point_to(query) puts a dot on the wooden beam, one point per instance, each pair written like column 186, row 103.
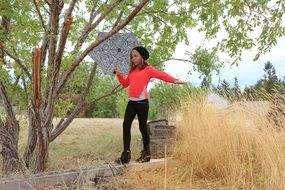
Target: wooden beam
column 70, row 176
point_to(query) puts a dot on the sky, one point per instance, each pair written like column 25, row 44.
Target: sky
column 247, row 71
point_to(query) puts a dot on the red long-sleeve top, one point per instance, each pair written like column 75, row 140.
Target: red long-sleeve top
column 137, row 80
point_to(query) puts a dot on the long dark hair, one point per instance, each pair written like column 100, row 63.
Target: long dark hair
column 141, row 66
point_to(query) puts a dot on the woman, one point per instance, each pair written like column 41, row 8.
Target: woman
column 137, row 80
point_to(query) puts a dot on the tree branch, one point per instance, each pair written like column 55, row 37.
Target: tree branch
column 55, row 8
column 114, row 91
column 160, row 19
column 59, row 123
column 62, row 42
column 25, row 88
column 64, row 124
column 2, row 55
column 1, row 123
column 66, row 74
column 5, row 138
column 7, row 104
column 93, row 12
column 13, row 125
column 178, row 59
column 44, row 48
column 5, row 26
column 6, row 21
column 91, row 27
column 40, row 15
column 48, row 2
column 19, row 62
column 118, row 19
column 64, row 32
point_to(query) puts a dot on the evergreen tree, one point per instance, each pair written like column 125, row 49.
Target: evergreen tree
column 205, row 83
column 270, row 82
column 236, row 90
column 224, row 89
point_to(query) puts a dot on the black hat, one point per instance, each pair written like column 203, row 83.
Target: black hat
column 143, row 52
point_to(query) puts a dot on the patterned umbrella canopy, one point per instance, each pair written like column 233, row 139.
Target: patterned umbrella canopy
column 114, row 51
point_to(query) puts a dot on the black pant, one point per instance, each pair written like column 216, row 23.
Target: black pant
column 139, row 108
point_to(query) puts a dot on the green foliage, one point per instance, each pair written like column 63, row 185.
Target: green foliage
column 164, row 98
column 205, row 62
column 105, row 107
column 23, row 35
column 245, row 24
column 63, row 107
column 121, row 103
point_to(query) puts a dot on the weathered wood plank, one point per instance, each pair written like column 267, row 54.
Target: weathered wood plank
column 66, row 177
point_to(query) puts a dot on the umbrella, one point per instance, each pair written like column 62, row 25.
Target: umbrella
column 114, row 51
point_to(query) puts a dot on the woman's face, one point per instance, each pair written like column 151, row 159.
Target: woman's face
column 136, row 57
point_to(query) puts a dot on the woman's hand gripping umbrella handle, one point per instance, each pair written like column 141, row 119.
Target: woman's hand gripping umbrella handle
column 115, row 69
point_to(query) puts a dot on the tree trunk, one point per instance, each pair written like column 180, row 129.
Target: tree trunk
column 9, row 136
column 36, row 152
column 41, row 152
column 31, row 143
column 11, row 163
column 9, row 152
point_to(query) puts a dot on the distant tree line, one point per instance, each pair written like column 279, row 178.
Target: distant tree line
column 264, row 89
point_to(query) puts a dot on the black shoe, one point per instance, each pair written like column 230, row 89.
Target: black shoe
column 145, row 156
column 125, row 157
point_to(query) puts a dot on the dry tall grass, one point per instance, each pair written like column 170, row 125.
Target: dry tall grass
column 219, row 149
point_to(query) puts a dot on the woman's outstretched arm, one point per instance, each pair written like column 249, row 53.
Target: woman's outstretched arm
column 155, row 73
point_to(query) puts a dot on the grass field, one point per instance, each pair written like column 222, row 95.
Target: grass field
column 87, row 143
